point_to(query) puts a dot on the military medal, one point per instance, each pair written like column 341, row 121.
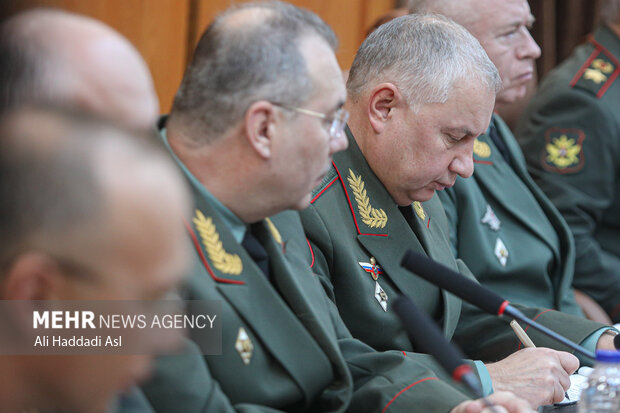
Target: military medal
column 491, row 219
column 244, row 346
column 374, row 270
column 501, row 252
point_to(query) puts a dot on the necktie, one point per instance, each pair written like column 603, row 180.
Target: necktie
column 407, row 212
column 255, row 249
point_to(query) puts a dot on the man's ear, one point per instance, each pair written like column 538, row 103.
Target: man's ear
column 384, row 98
column 260, row 121
column 30, row 277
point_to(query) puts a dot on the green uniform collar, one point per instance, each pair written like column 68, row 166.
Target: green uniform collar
column 232, row 221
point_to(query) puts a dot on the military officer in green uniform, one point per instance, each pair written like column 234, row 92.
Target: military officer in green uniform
column 570, row 134
column 253, row 127
column 501, row 224
column 421, row 89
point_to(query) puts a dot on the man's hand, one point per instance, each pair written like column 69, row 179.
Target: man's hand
column 504, row 402
column 538, row 375
column 606, row 341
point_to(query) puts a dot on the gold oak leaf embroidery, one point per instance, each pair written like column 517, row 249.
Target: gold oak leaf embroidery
column 223, row 261
column 374, row 218
column 594, row 75
column 563, row 152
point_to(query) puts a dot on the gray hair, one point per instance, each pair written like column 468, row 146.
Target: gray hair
column 610, row 12
column 424, row 56
column 235, row 65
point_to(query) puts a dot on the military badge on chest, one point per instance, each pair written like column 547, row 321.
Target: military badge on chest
column 501, row 252
column 489, row 218
column 375, row 270
column 244, row 346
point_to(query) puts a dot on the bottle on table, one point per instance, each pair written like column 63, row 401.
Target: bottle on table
column 601, row 394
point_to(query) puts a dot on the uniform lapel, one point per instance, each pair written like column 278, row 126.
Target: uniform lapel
column 493, row 173
column 382, row 228
column 275, row 323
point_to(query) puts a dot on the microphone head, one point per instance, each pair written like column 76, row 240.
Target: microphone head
column 449, row 280
column 617, row 341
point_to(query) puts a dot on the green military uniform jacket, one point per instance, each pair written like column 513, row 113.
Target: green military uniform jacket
column 508, row 232
column 570, row 134
column 284, row 346
column 352, row 221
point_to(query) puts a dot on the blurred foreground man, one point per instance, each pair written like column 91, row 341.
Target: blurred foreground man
column 88, row 212
column 60, row 58
column 421, row 90
column 570, row 134
column 254, row 126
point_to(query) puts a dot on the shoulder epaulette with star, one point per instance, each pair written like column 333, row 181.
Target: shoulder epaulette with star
column 598, row 72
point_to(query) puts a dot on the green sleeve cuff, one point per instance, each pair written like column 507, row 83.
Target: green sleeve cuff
column 485, row 377
column 589, row 343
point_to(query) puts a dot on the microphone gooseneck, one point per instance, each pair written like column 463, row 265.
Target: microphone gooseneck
column 476, row 294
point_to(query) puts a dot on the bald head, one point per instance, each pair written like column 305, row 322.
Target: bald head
column 63, row 176
column 249, row 53
column 51, row 56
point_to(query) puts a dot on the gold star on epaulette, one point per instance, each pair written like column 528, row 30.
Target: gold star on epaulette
column 603, row 66
column 594, row 75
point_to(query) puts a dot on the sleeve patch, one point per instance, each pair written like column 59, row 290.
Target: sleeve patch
column 563, row 151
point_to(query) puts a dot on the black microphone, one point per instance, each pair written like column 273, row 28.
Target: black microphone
column 617, row 341
column 476, row 294
column 426, row 336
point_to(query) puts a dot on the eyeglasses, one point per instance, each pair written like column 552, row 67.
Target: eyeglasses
column 338, row 120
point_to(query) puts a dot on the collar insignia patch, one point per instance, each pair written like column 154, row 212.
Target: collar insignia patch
column 501, row 252
column 419, row 211
column 481, row 149
column 491, row 219
column 373, row 217
column 224, row 262
column 274, row 231
column 244, row 346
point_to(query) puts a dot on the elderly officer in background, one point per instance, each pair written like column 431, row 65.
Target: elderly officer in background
column 421, row 90
column 88, row 212
column 55, row 57
column 502, row 225
column 254, row 126
column 570, row 134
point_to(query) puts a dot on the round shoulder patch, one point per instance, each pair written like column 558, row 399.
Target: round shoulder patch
column 563, row 152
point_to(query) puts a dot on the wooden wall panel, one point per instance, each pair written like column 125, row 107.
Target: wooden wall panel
column 348, row 18
column 158, row 29
column 166, row 31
